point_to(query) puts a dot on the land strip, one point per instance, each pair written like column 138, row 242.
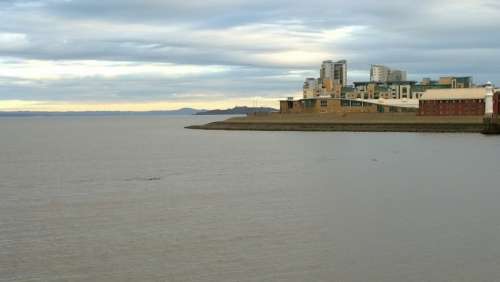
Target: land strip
column 354, row 122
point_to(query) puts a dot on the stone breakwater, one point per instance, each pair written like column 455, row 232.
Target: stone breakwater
column 353, row 127
column 357, row 123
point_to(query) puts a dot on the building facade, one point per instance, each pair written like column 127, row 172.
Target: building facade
column 383, row 74
column 455, row 102
column 496, row 103
column 340, row 73
column 379, row 73
column 456, row 82
column 379, row 90
column 385, row 84
column 339, row 106
column 397, row 76
column 336, row 72
column 311, row 88
column 327, row 70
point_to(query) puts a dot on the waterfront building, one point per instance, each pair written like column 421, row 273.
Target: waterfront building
column 383, row 74
column 347, row 92
column 327, row 70
column 379, row 73
column 388, row 90
column 402, row 89
column 443, row 83
column 334, row 71
column 337, row 91
column 426, row 81
column 458, row 102
column 311, row 88
column 456, row 82
column 366, row 90
column 340, row 73
column 496, row 103
column 333, row 76
column 328, row 85
column 397, row 76
column 323, row 105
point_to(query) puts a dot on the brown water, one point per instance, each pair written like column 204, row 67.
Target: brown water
column 142, row 199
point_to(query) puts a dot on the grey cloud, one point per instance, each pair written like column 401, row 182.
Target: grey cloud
column 425, row 37
column 240, row 82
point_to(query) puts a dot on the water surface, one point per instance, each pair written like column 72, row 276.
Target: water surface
column 139, row 198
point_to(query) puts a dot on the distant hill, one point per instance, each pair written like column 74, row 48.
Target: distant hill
column 183, row 111
column 238, row 111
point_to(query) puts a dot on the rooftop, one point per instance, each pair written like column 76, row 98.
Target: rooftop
column 454, row 94
column 384, row 83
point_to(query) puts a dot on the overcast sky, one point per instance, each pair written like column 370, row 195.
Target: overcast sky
column 163, row 54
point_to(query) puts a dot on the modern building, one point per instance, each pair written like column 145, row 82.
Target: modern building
column 443, row 83
column 336, row 72
column 323, row 105
column 397, row 76
column 379, row 90
column 326, row 71
column 426, row 81
column 456, row 82
column 328, row 85
column 386, row 87
column 383, row 74
column 311, row 88
column 340, row 73
column 333, row 77
column 379, row 73
column 457, row 102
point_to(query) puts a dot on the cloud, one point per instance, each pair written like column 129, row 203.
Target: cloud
column 57, row 70
column 13, row 41
column 119, row 51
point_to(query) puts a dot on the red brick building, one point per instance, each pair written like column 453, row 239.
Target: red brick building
column 455, row 102
column 496, row 103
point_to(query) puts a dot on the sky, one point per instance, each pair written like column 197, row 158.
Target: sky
column 75, row 55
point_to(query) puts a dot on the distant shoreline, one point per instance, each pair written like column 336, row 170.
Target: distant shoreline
column 184, row 111
column 238, row 111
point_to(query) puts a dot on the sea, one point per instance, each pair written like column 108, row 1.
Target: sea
column 140, row 198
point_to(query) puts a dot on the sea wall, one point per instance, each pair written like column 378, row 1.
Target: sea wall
column 491, row 125
column 358, row 123
column 352, row 127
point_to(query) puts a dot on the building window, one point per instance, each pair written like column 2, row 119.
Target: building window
column 309, row 103
column 324, row 103
column 356, row 104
